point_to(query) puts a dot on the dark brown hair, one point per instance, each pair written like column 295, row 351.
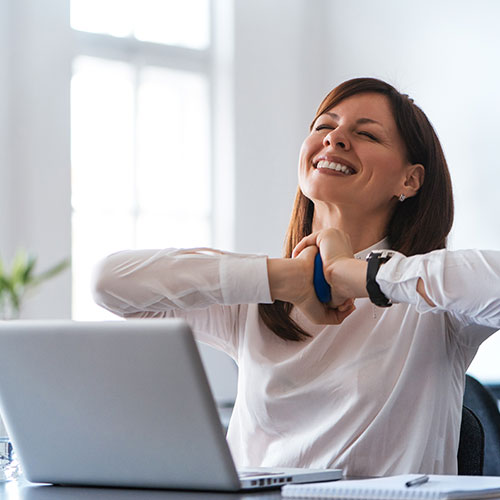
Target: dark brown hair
column 419, row 225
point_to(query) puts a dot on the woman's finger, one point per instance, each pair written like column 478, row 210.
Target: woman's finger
column 305, row 242
column 335, row 316
column 342, row 315
column 346, row 305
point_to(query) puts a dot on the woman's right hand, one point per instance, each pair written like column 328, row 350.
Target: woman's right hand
column 291, row 280
column 345, row 274
column 307, row 301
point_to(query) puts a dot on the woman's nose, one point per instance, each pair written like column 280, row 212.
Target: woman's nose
column 336, row 138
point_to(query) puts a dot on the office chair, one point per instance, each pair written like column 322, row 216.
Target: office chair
column 485, row 407
column 470, row 454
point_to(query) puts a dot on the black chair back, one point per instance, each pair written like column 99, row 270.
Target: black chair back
column 485, row 407
column 471, row 445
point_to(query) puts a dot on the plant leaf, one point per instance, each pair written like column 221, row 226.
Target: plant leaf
column 27, row 276
column 18, row 267
column 51, row 272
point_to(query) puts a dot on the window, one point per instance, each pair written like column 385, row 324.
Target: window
column 140, row 131
column 173, row 22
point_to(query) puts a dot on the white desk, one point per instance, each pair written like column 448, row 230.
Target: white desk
column 23, row 490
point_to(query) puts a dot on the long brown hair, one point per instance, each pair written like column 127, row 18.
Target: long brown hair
column 419, row 225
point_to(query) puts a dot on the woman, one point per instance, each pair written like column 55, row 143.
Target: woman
column 374, row 390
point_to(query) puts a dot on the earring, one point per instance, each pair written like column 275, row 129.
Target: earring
column 402, row 198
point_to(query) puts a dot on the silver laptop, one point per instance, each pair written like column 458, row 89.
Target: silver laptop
column 119, row 403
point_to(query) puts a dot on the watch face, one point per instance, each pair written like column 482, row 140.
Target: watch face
column 383, row 255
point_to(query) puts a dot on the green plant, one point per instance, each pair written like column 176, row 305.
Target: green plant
column 21, row 279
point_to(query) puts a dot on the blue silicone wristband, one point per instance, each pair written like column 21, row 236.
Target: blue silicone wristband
column 321, row 286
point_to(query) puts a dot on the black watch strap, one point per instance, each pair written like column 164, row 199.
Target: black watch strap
column 375, row 260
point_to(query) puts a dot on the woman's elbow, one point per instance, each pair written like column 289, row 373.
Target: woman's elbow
column 105, row 286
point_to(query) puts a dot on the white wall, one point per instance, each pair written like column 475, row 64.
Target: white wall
column 35, row 143
column 446, row 55
column 5, row 177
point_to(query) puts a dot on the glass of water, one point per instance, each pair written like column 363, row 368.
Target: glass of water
column 9, row 466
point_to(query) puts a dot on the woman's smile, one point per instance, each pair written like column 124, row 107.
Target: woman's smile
column 334, row 167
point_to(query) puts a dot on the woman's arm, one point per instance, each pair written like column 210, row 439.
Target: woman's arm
column 349, row 275
column 202, row 286
column 345, row 274
column 464, row 283
column 138, row 281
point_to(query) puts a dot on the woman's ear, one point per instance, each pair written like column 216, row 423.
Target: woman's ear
column 414, row 179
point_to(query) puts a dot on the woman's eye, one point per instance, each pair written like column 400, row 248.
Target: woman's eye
column 367, row 134
column 323, row 127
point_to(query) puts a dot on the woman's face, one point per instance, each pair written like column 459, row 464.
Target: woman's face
column 355, row 157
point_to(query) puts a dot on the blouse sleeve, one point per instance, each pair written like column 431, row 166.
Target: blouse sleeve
column 465, row 284
column 206, row 287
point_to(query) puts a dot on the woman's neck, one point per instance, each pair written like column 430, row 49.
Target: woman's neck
column 364, row 229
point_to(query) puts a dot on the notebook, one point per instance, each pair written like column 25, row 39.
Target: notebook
column 394, row 487
column 119, row 403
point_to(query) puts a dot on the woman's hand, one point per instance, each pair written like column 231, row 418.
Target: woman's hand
column 308, row 302
column 345, row 275
column 291, row 280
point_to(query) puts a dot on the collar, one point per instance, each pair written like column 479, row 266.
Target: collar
column 383, row 244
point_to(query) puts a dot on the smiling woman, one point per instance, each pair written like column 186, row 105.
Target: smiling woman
column 381, row 136
column 391, row 129
column 381, row 366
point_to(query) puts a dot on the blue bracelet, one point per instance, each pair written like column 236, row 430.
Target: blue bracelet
column 321, row 286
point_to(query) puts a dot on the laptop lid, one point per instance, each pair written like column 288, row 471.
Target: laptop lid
column 118, row 403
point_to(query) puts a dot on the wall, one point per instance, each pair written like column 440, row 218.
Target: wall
column 5, row 182
column 446, row 55
column 36, row 142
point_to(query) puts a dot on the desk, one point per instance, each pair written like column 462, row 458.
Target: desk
column 23, row 490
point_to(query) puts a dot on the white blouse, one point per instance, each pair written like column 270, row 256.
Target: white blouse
column 379, row 394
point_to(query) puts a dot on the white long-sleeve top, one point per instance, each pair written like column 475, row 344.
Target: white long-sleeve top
column 379, row 394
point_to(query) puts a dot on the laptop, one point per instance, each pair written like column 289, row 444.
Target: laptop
column 119, row 403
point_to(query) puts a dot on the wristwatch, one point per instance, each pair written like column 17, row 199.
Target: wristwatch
column 375, row 259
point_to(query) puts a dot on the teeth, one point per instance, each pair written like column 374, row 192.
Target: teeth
column 335, row 166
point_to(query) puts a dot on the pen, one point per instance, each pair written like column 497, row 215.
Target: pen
column 417, row 481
